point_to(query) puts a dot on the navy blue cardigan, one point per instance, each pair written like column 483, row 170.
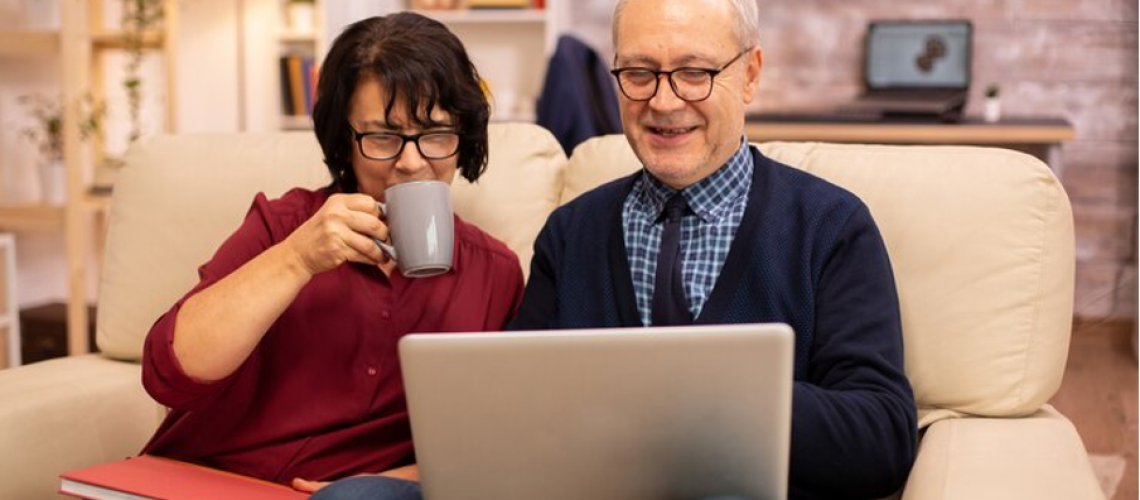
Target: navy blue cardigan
column 808, row 254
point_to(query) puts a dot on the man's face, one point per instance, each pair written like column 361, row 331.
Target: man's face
column 683, row 142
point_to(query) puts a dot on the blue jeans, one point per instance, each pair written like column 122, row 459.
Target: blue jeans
column 386, row 488
column 369, row 488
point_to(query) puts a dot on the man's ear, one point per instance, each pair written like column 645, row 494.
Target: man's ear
column 754, row 61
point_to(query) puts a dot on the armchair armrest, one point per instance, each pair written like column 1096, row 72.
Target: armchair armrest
column 1039, row 456
column 68, row 413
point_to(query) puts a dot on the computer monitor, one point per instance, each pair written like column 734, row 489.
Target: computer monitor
column 918, row 55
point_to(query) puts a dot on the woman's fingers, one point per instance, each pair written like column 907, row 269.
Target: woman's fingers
column 306, row 486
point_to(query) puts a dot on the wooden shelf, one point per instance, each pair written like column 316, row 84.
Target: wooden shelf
column 31, row 217
column 297, row 37
column 292, row 122
column 525, row 118
column 97, row 202
column 115, row 40
column 968, row 131
column 28, row 43
column 487, row 16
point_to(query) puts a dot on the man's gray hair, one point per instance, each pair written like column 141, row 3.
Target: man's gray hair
column 746, row 26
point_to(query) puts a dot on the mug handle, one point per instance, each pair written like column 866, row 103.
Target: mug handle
column 387, row 248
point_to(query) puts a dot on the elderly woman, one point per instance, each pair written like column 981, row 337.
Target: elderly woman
column 281, row 363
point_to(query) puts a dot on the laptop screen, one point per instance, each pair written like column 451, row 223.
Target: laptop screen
column 918, row 54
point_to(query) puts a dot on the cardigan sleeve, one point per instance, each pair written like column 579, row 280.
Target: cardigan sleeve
column 539, row 309
column 853, row 416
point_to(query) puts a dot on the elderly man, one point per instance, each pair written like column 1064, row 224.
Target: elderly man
column 712, row 231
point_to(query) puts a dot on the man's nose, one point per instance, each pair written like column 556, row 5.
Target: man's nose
column 666, row 98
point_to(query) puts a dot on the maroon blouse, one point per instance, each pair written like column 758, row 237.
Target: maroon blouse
column 321, row 397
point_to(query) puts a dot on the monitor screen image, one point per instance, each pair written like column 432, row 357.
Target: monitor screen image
column 918, row 55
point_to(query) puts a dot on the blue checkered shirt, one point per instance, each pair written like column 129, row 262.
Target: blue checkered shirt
column 717, row 203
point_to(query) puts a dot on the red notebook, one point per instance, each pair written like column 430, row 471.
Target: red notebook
column 154, row 478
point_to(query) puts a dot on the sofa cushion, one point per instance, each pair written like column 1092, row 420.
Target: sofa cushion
column 595, row 162
column 519, row 189
column 179, row 197
column 1039, row 456
column 65, row 414
column 981, row 241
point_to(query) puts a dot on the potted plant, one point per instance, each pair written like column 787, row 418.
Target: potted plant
column 992, row 111
column 139, row 18
column 47, row 135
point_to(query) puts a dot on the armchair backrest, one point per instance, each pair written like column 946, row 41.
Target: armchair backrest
column 180, row 196
column 981, row 242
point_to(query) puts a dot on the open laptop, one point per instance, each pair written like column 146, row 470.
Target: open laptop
column 915, row 69
column 606, row 414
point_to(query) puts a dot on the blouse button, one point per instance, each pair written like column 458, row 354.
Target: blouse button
column 385, row 314
column 371, row 371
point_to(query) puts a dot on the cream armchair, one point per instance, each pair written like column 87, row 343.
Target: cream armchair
column 981, row 241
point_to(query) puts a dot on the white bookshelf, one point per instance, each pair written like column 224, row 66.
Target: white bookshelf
column 292, row 37
column 79, row 43
column 9, row 305
column 510, row 47
column 490, row 16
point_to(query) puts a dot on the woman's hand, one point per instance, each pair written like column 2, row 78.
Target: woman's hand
column 407, row 473
column 342, row 230
column 306, row 486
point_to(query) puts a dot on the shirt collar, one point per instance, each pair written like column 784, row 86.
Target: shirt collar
column 710, row 198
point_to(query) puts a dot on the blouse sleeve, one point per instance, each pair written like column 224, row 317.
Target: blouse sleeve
column 163, row 376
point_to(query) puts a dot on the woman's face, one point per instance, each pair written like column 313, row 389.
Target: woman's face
column 366, row 114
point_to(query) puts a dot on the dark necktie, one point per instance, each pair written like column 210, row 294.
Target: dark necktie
column 670, row 307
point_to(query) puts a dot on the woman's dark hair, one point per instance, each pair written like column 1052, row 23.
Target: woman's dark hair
column 413, row 58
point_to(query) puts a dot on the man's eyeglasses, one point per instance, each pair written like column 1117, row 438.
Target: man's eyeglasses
column 385, row 145
column 689, row 84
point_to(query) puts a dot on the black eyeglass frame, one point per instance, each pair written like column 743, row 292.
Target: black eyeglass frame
column 712, row 72
column 404, row 139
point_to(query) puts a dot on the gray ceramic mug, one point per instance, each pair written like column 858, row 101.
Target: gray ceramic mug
column 420, row 227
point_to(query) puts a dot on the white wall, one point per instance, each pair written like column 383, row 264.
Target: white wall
column 207, row 67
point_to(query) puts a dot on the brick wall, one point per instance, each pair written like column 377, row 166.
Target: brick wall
column 1070, row 58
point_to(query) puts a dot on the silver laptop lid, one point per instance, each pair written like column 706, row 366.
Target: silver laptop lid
column 918, row 55
column 609, row 414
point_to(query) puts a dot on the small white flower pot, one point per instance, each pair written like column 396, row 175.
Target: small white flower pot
column 53, row 182
column 992, row 111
